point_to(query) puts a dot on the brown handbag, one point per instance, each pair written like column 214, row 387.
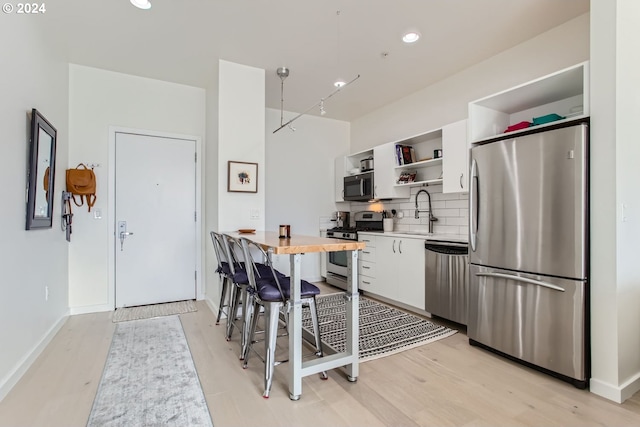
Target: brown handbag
column 81, row 181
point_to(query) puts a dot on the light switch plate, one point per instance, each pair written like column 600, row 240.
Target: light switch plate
column 255, row 214
column 97, row 214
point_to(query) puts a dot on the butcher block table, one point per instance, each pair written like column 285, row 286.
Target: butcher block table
column 295, row 247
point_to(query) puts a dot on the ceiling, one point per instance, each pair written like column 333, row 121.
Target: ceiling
column 182, row 40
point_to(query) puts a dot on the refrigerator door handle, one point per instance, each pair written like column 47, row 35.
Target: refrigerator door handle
column 473, row 205
column 522, row 279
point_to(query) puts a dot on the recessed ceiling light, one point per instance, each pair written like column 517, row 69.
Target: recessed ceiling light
column 141, row 4
column 409, row 37
column 339, row 83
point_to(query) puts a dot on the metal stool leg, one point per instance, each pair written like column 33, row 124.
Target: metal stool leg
column 247, row 316
column 316, row 326
column 252, row 333
column 234, row 304
column 272, row 316
column 223, row 295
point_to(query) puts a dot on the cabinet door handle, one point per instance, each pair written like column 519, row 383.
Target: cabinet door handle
column 366, row 283
column 365, row 267
column 365, row 252
column 400, row 246
column 394, row 246
column 461, row 175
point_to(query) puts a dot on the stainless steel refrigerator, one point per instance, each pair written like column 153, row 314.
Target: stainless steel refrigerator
column 528, row 249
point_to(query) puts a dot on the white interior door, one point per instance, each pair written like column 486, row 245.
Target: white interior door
column 155, row 222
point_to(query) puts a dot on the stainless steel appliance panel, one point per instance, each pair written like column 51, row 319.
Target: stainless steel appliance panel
column 359, row 187
column 527, row 203
column 538, row 319
column 447, row 280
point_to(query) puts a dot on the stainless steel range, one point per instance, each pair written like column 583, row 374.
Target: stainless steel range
column 337, row 261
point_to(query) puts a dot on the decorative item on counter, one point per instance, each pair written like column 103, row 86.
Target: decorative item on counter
column 288, row 231
column 407, row 177
column 387, row 224
column 437, row 153
column 282, row 232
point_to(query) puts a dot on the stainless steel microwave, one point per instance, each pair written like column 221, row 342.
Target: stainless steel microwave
column 359, row 187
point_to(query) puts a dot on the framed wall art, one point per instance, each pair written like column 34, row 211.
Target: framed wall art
column 40, row 172
column 243, row 177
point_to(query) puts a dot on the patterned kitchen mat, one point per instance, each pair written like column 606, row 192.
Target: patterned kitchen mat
column 384, row 330
column 125, row 314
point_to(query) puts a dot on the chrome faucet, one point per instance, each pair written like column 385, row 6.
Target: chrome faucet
column 432, row 218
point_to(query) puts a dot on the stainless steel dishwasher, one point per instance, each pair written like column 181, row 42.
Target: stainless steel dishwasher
column 447, row 280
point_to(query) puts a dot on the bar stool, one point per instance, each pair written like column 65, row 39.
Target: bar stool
column 273, row 294
column 224, row 272
column 240, row 298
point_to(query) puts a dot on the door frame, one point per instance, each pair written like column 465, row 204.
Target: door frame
column 111, row 197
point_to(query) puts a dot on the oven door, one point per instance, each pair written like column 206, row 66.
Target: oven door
column 337, row 269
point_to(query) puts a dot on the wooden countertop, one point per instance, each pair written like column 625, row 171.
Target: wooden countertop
column 298, row 244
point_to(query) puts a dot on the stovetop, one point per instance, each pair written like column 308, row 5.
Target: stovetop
column 355, row 229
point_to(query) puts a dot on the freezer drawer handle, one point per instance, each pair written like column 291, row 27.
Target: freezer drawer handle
column 522, row 279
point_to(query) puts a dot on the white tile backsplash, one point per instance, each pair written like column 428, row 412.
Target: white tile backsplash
column 451, row 209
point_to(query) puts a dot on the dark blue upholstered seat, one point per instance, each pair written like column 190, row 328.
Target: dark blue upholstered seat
column 268, row 290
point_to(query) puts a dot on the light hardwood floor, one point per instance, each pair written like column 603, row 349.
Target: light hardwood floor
column 446, row 383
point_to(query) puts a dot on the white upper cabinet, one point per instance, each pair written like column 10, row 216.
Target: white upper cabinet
column 565, row 93
column 384, row 175
column 421, row 164
column 455, row 161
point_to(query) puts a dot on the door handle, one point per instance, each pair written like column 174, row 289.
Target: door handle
column 461, row 175
column 473, row 205
column 394, row 246
column 123, row 233
column 522, row 279
column 400, row 246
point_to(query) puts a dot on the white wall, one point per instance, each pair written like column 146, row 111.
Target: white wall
column 30, row 77
column 211, row 188
column 446, row 102
column 299, row 170
column 615, row 200
column 240, row 137
column 99, row 99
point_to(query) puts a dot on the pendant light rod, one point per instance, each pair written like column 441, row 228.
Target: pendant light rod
column 321, row 102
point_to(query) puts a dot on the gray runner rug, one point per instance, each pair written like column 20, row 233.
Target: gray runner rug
column 124, row 314
column 149, row 378
column 384, row 330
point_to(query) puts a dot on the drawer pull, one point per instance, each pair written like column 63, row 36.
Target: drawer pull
column 365, row 267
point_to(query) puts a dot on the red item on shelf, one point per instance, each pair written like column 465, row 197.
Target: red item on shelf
column 518, row 126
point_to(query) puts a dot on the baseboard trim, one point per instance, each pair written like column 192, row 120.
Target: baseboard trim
column 617, row 394
column 87, row 309
column 8, row 382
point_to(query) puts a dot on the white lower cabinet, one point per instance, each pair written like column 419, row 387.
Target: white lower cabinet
column 367, row 265
column 398, row 273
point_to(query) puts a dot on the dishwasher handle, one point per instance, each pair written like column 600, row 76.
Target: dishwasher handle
column 447, row 248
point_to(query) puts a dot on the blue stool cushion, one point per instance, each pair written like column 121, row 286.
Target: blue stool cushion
column 268, row 290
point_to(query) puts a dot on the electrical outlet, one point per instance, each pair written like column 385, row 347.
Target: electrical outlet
column 255, row 214
column 46, row 293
